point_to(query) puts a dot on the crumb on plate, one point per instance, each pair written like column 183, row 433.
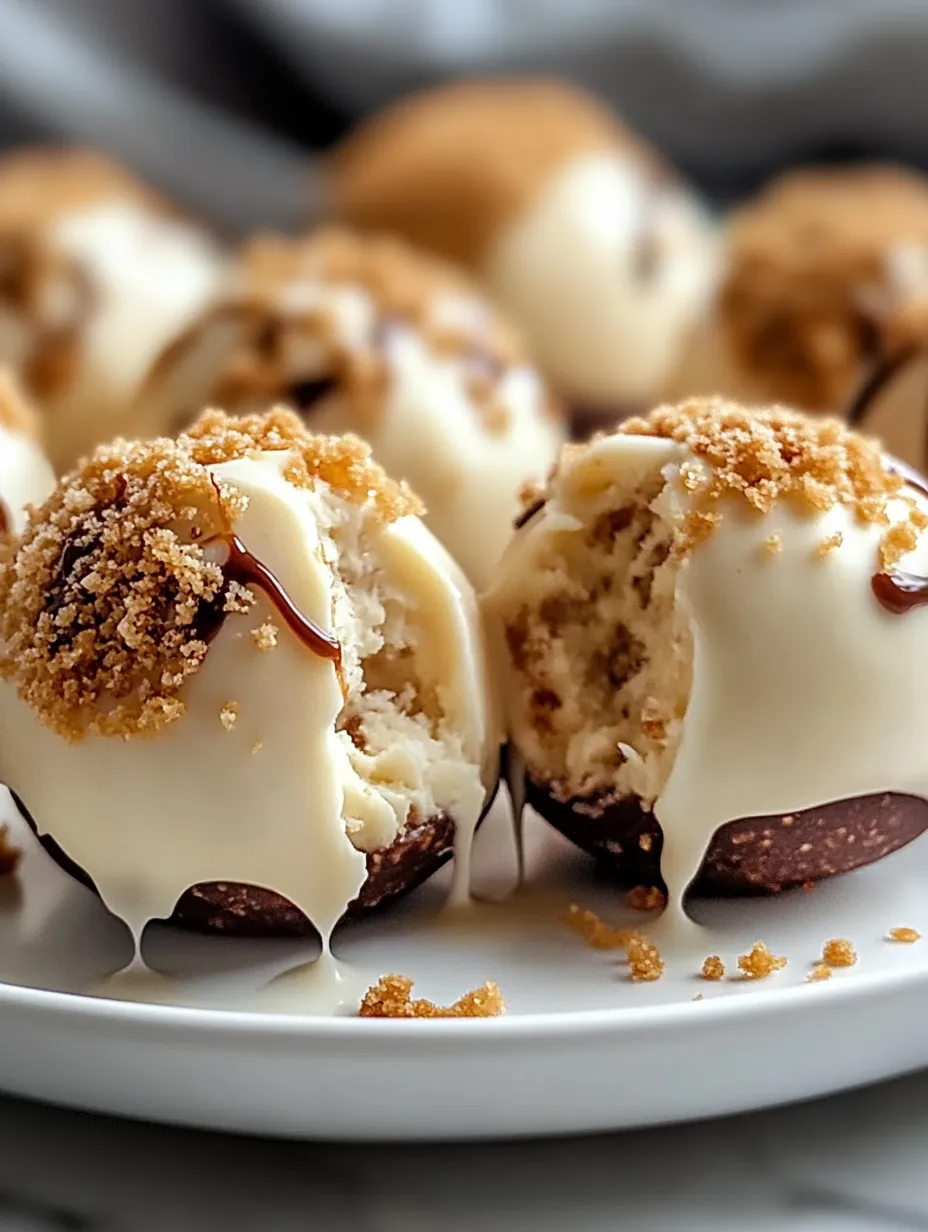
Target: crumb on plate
column 838, row 952
column 906, row 935
column 760, row 962
column 646, row 898
column 644, row 961
column 595, row 931
column 391, row 997
column 713, row 968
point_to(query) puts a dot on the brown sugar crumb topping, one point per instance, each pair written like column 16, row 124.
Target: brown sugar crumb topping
column 10, row 854
column 827, row 546
column 810, row 292
column 265, row 636
column 821, row 971
column 595, row 931
column 760, row 962
column 761, row 456
column 391, row 997
column 105, row 596
column 646, row 898
column 228, row 715
column 644, row 961
column 839, row 953
column 713, row 968
column 342, row 462
column 908, row 936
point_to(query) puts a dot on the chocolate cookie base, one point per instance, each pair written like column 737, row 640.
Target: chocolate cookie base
column 251, row 911
column 752, row 855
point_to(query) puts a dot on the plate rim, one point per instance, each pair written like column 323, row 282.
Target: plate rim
column 208, row 1022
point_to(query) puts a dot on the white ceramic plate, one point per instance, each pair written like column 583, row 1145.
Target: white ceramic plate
column 581, row 1047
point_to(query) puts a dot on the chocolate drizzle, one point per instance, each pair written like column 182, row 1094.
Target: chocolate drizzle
column 880, row 376
column 242, row 567
column 900, row 592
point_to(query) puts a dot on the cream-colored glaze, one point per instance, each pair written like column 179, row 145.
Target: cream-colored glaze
column 26, row 477
column 148, row 818
column 148, row 277
column 602, row 331
column 805, row 690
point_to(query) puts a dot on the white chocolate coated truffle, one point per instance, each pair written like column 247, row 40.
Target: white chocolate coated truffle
column 172, row 726
column 690, row 620
column 101, row 274
column 601, row 255
column 361, row 334
column 607, row 272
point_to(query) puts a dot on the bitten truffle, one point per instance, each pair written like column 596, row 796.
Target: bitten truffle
column 362, row 334
column 96, row 273
column 687, row 702
column 822, row 272
column 163, row 748
column 602, row 256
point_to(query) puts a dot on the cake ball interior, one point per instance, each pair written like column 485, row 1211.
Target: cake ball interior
column 600, row 647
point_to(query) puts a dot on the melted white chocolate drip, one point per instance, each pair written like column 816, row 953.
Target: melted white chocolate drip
column 261, row 803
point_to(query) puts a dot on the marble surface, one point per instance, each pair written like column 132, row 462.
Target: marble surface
column 854, row 1162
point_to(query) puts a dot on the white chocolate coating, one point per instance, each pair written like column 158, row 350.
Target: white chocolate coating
column 25, row 476
column 804, row 689
column 150, row 275
column 266, row 802
column 604, row 331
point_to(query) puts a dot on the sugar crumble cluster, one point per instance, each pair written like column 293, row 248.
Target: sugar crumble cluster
column 391, row 997
column 764, row 456
column 104, row 595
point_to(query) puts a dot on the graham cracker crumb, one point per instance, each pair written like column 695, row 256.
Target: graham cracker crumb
column 760, row 962
column 811, row 292
column 342, row 462
column 713, row 968
column 821, row 971
column 596, row 932
column 257, row 746
column 772, row 545
column 763, row 456
column 391, row 997
column 265, row 636
column 828, row 545
column 908, row 936
column 10, row 854
column 644, row 961
column 809, row 886
column 646, row 898
column 839, row 953
column 228, row 715
column 699, row 997
column 645, row 841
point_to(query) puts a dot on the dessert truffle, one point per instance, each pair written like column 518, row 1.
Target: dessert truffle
column 240, row 678
column 362, row 334
column 96, row 273
column 822, row 272
column 26, row 477
column 599, row 252
column 711, row 653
